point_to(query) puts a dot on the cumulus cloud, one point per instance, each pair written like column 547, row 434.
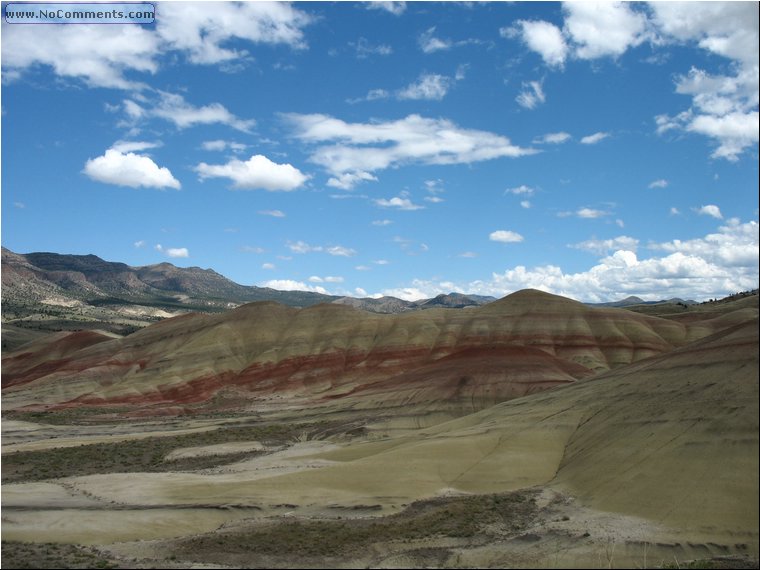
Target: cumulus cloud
column 200, row 29
column 398, row 203
column 172, row 107
column 347, row 180
column 133, row 146
column 327, row 279
column 595, row 138
column 336, row 250
column 505, row 236
column 532, row 95
column 222, row 145
column 129, row 169
column 394, row 7
column 268, row 266
column 723, row 106
column 382, row 222
column 661, row 183
column 717, row 265
column 365, row 49
column 272, row 213
column 429, row 43
column 607, row 246
column 173, row 251
column 256, row 172
column 196, row 30
column 525, row 204
column 429, row 86
column 521, row 190
column 710, row 210
column 545, row 39
column 292, row 285
column 355, row 148
column 553, row 138
column 68, row 50
column 734, row 245
column 599, row 29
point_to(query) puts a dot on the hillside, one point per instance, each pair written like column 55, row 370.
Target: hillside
column 653, row 460
column 268, row 355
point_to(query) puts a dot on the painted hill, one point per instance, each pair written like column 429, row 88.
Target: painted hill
column 267, row 354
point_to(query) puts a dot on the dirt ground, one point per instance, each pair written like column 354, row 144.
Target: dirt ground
column 245, row 513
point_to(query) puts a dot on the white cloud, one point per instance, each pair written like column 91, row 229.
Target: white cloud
column 303, row 247
column 139, row 243
column 735, row 132
column 723, row 106
column 369, row 147
column 661, row 183
column 272, row 213
column 595, row 138
column 606, row 246
column 129, row 169
column 734, row 245
column 268, row 266
column 525, row 204
column 200, row 29
column 716, row 265
column 599, row 29
column 520, row 190
column 365, row 49
column 710, row 210
column 398, row 202
column 252, row 249
column 222, row 145
column 362, row 268
column 394, row 7
column 68, row 49
column 347, row 180
column 173, row 251
column 256, row 172
column 532, row 95
column 725, row 28
column 505, row 236
column 19, row 205
column 591, row 213
column 197, row 29
column 429, row 43
column 545, row 39
column 467, row 254
column 382, row 222
column 336, row 250
column 327, row 279
column 173, row 107
column 339, row 250
column 553, row 138
column 292, row 285
column 133, row 146
column 433, row 199
column 675, row 211
column 381, row 262
column 429, row 86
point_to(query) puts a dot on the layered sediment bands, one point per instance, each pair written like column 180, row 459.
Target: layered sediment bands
column 265, row 351
column 41, row 357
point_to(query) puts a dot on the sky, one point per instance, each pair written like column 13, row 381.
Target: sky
column 592, row 150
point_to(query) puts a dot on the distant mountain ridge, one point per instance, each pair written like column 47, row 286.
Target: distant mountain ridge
column 88, row 276
column 633, row 300
column 396, row 305
column 51, row 292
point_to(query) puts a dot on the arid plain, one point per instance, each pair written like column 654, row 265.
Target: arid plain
column 533, row 431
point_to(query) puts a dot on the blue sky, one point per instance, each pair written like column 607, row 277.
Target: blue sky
column 590, row 150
